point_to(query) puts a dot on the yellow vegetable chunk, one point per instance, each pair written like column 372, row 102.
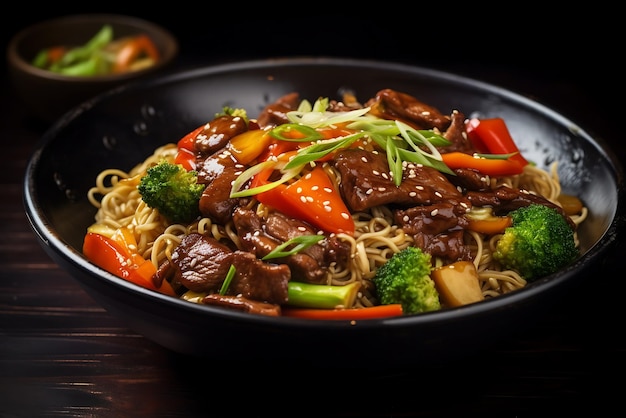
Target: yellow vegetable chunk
column 248, row 145
column 457, row 283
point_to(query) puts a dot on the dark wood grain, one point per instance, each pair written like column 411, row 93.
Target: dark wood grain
column 63, row 355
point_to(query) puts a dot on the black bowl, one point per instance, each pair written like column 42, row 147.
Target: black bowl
column 122, row 127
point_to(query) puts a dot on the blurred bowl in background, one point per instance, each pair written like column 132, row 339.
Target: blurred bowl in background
column 47, row 94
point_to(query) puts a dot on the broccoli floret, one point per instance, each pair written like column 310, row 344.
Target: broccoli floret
column 405, row 279
column 539, row 242
column 232, row 111
column 172, row 190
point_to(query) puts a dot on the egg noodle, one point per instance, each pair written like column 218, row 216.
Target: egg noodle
column 376, row 237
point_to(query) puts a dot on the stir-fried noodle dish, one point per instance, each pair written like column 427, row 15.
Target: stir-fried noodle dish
column 336, row 209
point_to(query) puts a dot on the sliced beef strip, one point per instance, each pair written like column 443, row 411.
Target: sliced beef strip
column 437, row 229
column 241, row 303
column 275, row 113
column 456, row 134
column 365, row 183
column 505, row 199
column 391, row 104
column 219, row 171
column 469, row 179
column 328, row 251
column 255, row 239
column 257, row 280
column 218, row 132
column 201, row 264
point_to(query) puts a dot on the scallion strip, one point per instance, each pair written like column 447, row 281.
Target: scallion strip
column 299, row 243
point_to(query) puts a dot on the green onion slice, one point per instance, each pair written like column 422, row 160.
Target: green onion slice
column 299, row 243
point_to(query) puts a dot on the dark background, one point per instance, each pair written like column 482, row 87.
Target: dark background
column 578, row 46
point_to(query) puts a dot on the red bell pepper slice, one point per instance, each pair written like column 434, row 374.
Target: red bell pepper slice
column 114, row 258
column 492, row 136
column 186, row 155
column 489, row 166
column 132, row 49
column 314, row 199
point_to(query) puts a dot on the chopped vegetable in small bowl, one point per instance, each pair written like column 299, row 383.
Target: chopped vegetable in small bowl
column 58, row 64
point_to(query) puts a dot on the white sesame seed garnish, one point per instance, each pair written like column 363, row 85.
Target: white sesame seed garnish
column 328, row 190
column 405, row 218
column 299, row 190
column 376, row 172
column 412, row 194
column 382, row 189
column 369, row 191
column 345, row 215
column 301, row 229
column 364, row 159
column 418, row 187
column 303, row 199
column 316, row 187
column 434, row 212
column 309, row 199
column 438, row 194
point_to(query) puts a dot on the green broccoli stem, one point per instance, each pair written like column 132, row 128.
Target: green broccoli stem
column 307, row 295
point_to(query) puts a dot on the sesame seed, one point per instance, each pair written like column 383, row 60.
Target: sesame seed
column 382, row 189
column 345, row 215
column 301, row 229
column 328, row 190
column 299, row 190
column 364, row 159
column 326, row 202
column 309, row 199
column 385, row 176
column 303, row 199
column 376, row 172
column 405, row 218
column 316, row 187
column 438, row 194
column 434, row 212
column 418, row 187
column 327, row 208
column 412, row 194
column 369, row 191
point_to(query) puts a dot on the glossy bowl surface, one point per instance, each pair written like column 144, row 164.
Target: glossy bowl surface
column 122, row 127
column 47, row 94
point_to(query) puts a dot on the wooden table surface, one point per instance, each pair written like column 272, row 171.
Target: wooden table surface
column 63, row 355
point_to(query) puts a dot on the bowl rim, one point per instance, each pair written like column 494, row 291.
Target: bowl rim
column 19, row 62
column 546, row 285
